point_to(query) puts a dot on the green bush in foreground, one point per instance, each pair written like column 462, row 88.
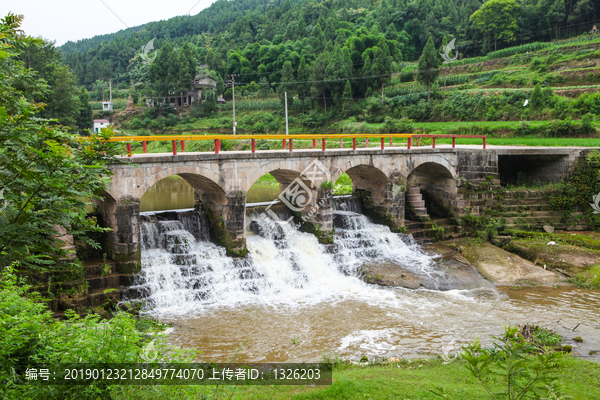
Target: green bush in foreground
column 514, row 368
column 29, row 335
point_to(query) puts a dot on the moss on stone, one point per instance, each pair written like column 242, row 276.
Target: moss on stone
column 312, row 228
column 221, row 237
column 378, row 214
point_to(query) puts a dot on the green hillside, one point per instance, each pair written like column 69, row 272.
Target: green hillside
column 559, row 82
column 346, row 66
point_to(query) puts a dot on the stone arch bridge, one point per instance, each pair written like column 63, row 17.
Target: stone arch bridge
column 221, row 181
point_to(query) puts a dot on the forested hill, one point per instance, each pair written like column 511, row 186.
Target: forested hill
column 242, row 36
column 215, row 18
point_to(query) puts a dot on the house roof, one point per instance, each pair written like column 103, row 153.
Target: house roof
column 203, row 81
column 101, row 120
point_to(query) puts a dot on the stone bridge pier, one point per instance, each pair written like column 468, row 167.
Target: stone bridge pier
column 122, row 243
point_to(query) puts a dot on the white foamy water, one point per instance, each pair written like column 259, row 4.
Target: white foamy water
column 184, row 272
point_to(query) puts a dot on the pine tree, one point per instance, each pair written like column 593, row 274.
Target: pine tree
column 365, row 72
column 186, row 68
column 391, row 33
column 287, row 75
column 317, row 39
column 317, row 89
column 427, row 69
column 301, row 30
column 347, row 96
column 339, row 67
column 220, row 85
column 537, row 101
column 303, row 77
column 556, row 15
column 160, row 71
column 382, row 64
column 85, row 118
column 265, row 87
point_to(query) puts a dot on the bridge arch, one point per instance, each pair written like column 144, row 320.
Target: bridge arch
column 282, row 175
column 440, row 164
column 384, row 188
column 432, row 188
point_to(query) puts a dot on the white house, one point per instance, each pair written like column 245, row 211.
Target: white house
column 99, row 124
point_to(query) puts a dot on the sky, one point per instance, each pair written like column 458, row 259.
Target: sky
column 64, row 20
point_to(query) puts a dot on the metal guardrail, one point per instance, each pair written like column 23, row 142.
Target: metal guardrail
column 286, row 138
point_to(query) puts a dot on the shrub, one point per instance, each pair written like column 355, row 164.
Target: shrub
column 397, row 126
column 150, row 112
column 29, row 334
column 327, row 185
column 560, row 128
column 536, row 98
column 420, row 111
column 524, row 129
column 258, row 127
column 136, row 124
column 407, row 76
column 536, row 63
column 588, row 103
column 510, row 369
column 263, row 144
column 586, row 123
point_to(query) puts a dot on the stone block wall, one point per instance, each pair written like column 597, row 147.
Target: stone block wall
column 122, row 244
column 226, row 215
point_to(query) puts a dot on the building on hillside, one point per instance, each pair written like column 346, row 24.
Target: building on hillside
column 107, row 106
column 201, row 83
column 99, row 124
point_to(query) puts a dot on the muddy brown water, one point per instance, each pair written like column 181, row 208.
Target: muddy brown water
column 370, row 320
column 385, row 322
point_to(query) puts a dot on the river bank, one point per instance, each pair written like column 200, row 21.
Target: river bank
column 404, row 379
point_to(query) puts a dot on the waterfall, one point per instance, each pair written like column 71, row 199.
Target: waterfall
column 348, row 203
column 182, row 269
column 361, row 242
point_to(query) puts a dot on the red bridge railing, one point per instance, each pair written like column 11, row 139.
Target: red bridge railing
column 288, row 140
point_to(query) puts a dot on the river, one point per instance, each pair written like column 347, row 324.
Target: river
column 293, row 299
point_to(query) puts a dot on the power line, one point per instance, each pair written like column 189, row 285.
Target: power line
column 115, row 14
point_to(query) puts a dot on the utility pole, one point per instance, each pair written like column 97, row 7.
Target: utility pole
column 286, row 116
column 233, row 92
column 110, row 91
column 382, row 94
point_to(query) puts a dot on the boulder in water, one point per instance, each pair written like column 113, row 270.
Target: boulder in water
column 452, row 272
column 176, row 243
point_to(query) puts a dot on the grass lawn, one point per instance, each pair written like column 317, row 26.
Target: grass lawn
column 469, row 124
column 411, row 380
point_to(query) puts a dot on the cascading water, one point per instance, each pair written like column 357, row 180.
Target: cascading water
column 348, row 203
column 181, row 268
column 359, row 242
